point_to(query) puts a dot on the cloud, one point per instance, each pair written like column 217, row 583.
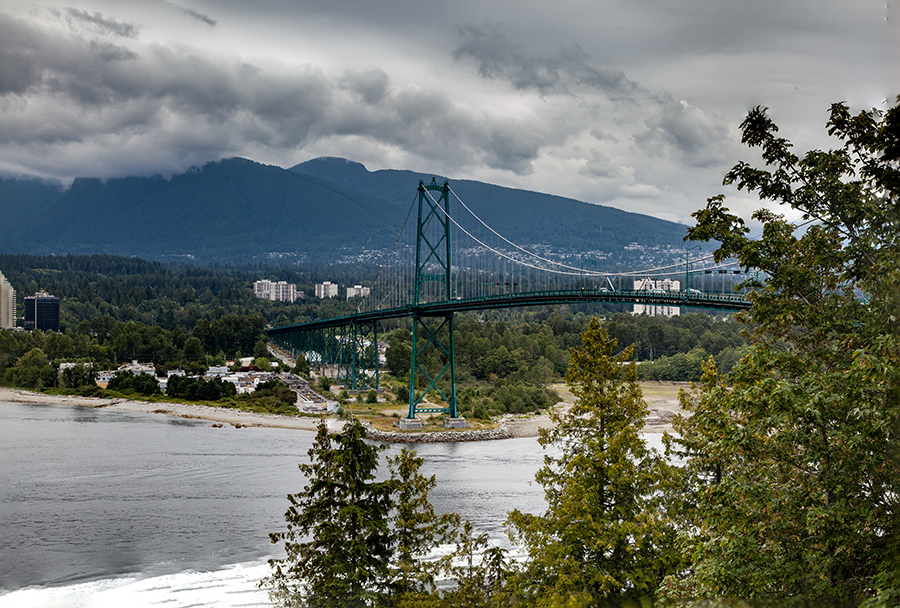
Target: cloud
column 372, row 84
column 64, row 97
column 655, row 123
column 693, row 136
column 100, row 24
column 87, row 94
column 557, row 73
column 194, row 14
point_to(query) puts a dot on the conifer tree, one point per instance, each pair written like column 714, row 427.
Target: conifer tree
column 338, row 540
column 416, row 528
column 605, row 533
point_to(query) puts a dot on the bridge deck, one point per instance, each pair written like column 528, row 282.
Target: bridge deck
column 718, row 301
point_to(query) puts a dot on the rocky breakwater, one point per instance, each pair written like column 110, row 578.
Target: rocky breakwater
column 374, row 434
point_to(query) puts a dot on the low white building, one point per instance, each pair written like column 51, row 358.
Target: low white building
column 662, row 286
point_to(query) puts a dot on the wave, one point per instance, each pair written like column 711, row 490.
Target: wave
column 228, row 587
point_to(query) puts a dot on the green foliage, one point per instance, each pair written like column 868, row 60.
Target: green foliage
column 277, row 389
column 301, row 366
column 372, row 396
column 193, row 349
column 338, row 541
column 34, row 371
column 77, row 376
column 127, row 382
column 606, row 532
column 402, row 394
column 324, row 384
column 398, row 353
column 260, row 350
column 794, row 461
column 416, row 528
column 196, row 389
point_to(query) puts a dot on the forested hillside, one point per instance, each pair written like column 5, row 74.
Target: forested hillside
column 325, row 211
column 525, row 217
column 116, row 309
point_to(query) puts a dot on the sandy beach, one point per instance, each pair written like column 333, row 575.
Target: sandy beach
column 661, row 397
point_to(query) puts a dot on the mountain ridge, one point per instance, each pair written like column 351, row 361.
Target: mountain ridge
column 326, row 209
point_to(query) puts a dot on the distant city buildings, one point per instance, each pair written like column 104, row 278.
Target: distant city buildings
column 357, row 290
column 661, row 287
column 281, row 291
column 42, row 312
column 326, row 290
column 7, row 304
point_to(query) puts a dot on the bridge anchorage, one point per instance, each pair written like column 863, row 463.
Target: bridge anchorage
column 430, row 289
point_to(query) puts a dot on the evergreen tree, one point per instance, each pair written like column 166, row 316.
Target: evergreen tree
column 416, row 529
column 338, row 541
column 605, row 533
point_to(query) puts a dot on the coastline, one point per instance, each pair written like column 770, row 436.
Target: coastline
column 661, row 403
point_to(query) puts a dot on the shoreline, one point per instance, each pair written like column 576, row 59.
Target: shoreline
column 510, row 426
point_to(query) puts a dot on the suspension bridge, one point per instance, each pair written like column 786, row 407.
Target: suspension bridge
column 443, row 264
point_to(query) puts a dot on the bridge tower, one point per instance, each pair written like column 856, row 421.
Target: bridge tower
column 432, row 284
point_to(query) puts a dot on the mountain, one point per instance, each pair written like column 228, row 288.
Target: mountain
column 527, row 218
column 323, row 210
column 229, row 210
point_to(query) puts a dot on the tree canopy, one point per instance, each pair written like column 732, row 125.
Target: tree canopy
column 795, row 459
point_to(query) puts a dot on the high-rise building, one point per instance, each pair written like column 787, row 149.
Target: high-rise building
column 7, row 304
column 286, row 292
column 269, row 290
column 357, row 290
column 263, row 289
column 326, row 290
column 42, row 312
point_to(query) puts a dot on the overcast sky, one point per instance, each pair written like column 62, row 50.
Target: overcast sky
column 629, row 103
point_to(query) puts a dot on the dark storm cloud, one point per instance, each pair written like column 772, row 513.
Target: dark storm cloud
column 194, row 14
column 371, row 85
column 693, row 136
column 63, row 90
column 662, row 125
column 498, row 58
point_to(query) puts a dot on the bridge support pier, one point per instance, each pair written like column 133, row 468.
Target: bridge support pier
column 411, row 424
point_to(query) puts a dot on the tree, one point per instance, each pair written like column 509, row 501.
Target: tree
column 605, row 532
column 398, row 353
column 193, row 349
column 261, row 350
column 416, row 528
column 795, row 459
column 34, row 370
column 344, row 514
column 301, row 366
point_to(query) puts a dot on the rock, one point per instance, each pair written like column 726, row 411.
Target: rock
column 439, row 437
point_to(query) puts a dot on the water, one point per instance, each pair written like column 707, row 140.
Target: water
column 108, row 508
